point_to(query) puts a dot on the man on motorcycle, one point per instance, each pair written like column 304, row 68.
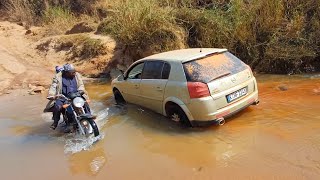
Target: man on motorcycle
column 65, row 82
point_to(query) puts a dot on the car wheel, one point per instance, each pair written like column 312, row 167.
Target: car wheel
column 175, row 113
column 118, row 97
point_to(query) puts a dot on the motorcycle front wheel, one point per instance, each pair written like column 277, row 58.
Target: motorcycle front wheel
column 90, row 127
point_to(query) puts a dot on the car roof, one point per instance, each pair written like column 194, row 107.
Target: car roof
column 184, row 55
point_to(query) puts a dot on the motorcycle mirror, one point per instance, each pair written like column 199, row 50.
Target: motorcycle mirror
column 50, row 97
column 81, row 92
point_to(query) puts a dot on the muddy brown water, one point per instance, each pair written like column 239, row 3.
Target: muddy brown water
column 278, row 139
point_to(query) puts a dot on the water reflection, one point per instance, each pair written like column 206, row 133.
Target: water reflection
column 89, row 162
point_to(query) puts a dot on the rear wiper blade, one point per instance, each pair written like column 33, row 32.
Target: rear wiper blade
column 220, row 76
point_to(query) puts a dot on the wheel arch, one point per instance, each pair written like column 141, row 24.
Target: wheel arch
column 114, row 88
column 118, row 95
column 179, row 103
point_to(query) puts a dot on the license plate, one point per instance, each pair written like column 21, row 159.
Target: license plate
column 237, row 94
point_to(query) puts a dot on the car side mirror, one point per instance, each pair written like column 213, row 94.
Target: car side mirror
column 121, row 77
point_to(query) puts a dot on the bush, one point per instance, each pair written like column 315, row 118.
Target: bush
column 81, row 47
column 58, row 19
column 272, row 36
column 21, row 10
column 91, row 48
column 82, row 6
column 143, row 26
column 205, row 28
column 35, row 12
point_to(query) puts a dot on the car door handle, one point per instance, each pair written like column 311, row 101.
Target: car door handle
column 136, row 86
column 159, row 89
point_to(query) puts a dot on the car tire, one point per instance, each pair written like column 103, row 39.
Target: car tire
column 118, row 97
column 175, row 113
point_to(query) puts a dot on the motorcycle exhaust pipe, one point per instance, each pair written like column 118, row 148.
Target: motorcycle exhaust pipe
column 220, row 121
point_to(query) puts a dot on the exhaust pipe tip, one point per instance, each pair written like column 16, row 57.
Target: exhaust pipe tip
column 220, row 121
column 256, row 102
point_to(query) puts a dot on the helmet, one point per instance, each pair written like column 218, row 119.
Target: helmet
column 58, row 69
column 68, row 68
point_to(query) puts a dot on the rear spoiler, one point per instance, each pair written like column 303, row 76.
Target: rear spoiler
column 202, row 55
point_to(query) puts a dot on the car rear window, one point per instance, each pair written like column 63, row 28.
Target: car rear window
column 212, row 67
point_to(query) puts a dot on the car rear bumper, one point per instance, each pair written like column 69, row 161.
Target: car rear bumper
column 226, row 112
column 198, row 123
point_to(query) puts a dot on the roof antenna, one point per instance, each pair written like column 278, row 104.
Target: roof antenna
column 200, row 47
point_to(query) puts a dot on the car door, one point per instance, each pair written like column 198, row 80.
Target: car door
column 131, row 85
column 153, row 82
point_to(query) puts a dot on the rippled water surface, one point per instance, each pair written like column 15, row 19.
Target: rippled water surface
column 278, row 139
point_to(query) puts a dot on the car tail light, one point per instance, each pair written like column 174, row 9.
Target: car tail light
column 198, row 89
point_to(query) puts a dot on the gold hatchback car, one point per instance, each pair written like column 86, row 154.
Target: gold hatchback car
column 193, row 86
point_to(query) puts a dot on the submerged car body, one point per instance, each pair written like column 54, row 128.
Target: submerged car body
column 193, row 86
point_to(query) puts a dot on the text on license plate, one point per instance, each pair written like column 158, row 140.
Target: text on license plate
column 237, row 94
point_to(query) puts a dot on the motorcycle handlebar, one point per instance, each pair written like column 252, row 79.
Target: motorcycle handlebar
column 58, row 96
column 62, row 96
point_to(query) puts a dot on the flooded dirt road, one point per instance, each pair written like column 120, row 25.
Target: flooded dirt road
column 278, row 139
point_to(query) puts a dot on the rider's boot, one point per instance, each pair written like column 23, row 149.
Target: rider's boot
column 54, row 125
column 68, row 128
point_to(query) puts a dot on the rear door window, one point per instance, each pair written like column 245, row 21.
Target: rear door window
column 166, row 71
column 213, row 67
column 152, row 70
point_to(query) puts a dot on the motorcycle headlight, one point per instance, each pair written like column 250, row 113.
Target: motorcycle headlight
column 78, row 102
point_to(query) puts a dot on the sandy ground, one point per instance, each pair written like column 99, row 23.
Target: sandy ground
column 22, row 64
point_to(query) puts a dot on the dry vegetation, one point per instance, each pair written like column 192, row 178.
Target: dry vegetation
column 60, row 17
column 276, row 36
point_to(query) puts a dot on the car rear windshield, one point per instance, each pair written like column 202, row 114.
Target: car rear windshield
column 213, row 67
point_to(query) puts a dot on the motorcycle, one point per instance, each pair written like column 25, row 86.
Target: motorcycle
column 76, row 114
